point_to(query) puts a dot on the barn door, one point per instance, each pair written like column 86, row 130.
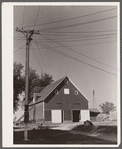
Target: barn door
column 85, row 115
column 76, row 115
column 56, row 116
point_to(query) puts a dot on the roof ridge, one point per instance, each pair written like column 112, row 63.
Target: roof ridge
column 60, row 80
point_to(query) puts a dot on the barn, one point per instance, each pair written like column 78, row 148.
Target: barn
column 59, row 102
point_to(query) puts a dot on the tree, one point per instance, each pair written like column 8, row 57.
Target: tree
column 107, row 107
column 19, row 84
column 36, row 83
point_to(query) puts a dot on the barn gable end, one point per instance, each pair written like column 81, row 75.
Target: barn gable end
column 66, row 96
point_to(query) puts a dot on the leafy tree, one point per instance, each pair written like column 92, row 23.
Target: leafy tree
column 46, row 79
column 19, row 84
column 36, row 83
column 107, row 107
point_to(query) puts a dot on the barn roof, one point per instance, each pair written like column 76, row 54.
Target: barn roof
column 47, row 90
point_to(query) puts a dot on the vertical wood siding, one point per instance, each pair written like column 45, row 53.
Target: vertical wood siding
column 47, row 115
column 66, row 101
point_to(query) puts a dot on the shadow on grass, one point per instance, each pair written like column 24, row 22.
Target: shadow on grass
column 48, row 136
column 99, row 129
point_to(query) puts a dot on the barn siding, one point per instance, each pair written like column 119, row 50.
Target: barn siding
column 47, row 115
column 66, row 101
column 39, row 111
column 67, row 115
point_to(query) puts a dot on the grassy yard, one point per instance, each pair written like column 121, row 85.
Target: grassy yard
column 99, row 129
column 48, row 136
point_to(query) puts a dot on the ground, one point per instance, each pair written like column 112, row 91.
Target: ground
column 74, row 133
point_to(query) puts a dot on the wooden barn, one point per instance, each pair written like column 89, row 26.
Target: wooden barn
column 59, row 102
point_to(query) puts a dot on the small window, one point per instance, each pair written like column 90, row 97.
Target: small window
column 76, row 92
column 66, row 81
column 56, row 92
column 66, row 91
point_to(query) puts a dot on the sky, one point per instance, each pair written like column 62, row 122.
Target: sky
column 77, row 41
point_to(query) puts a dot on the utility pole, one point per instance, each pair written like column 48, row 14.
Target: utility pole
column 28, row 34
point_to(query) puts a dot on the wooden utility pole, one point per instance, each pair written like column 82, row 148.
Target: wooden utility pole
column 28, row 34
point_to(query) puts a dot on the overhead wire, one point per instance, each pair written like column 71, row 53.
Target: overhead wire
column 23, row 16
column 71, row 18
column 36, row 58
column 75, row 51
column 20, row 39
column 41, row 56
column 78, row 24
column 61, row 53
column 18, row 42
column 19, row 48
column 88, row 44
column 77, row 39
column 50, row 32
column 73, row 58
column 82, row 36
column 78, row 35
column 36, row 17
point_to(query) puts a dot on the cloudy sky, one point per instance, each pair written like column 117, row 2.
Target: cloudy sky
column 77, row 41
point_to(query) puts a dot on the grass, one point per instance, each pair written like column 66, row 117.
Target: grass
column 48, row 136
column 100, row 129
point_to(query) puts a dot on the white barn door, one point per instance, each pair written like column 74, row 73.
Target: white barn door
column 56, row 116
column 85, row 115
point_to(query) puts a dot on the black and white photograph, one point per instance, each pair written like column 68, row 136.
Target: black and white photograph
column 64, row 61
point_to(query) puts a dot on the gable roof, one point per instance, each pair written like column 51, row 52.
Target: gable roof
column 47, row 90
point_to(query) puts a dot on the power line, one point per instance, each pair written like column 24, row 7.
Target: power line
column 76, row 51
column 89, row 44
column 41, row 56
column 78, row 35
column 63, row 54
column 82, row 36
column 77, row 39
column 18, row 42
column 36, row 58
column 71, row 18
column 19, row 49
column 23, row 16
column 36, row 17
column 85, row 44
column 78, row 32
column 77, row 24
column 20, row 39
column 17, row 39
